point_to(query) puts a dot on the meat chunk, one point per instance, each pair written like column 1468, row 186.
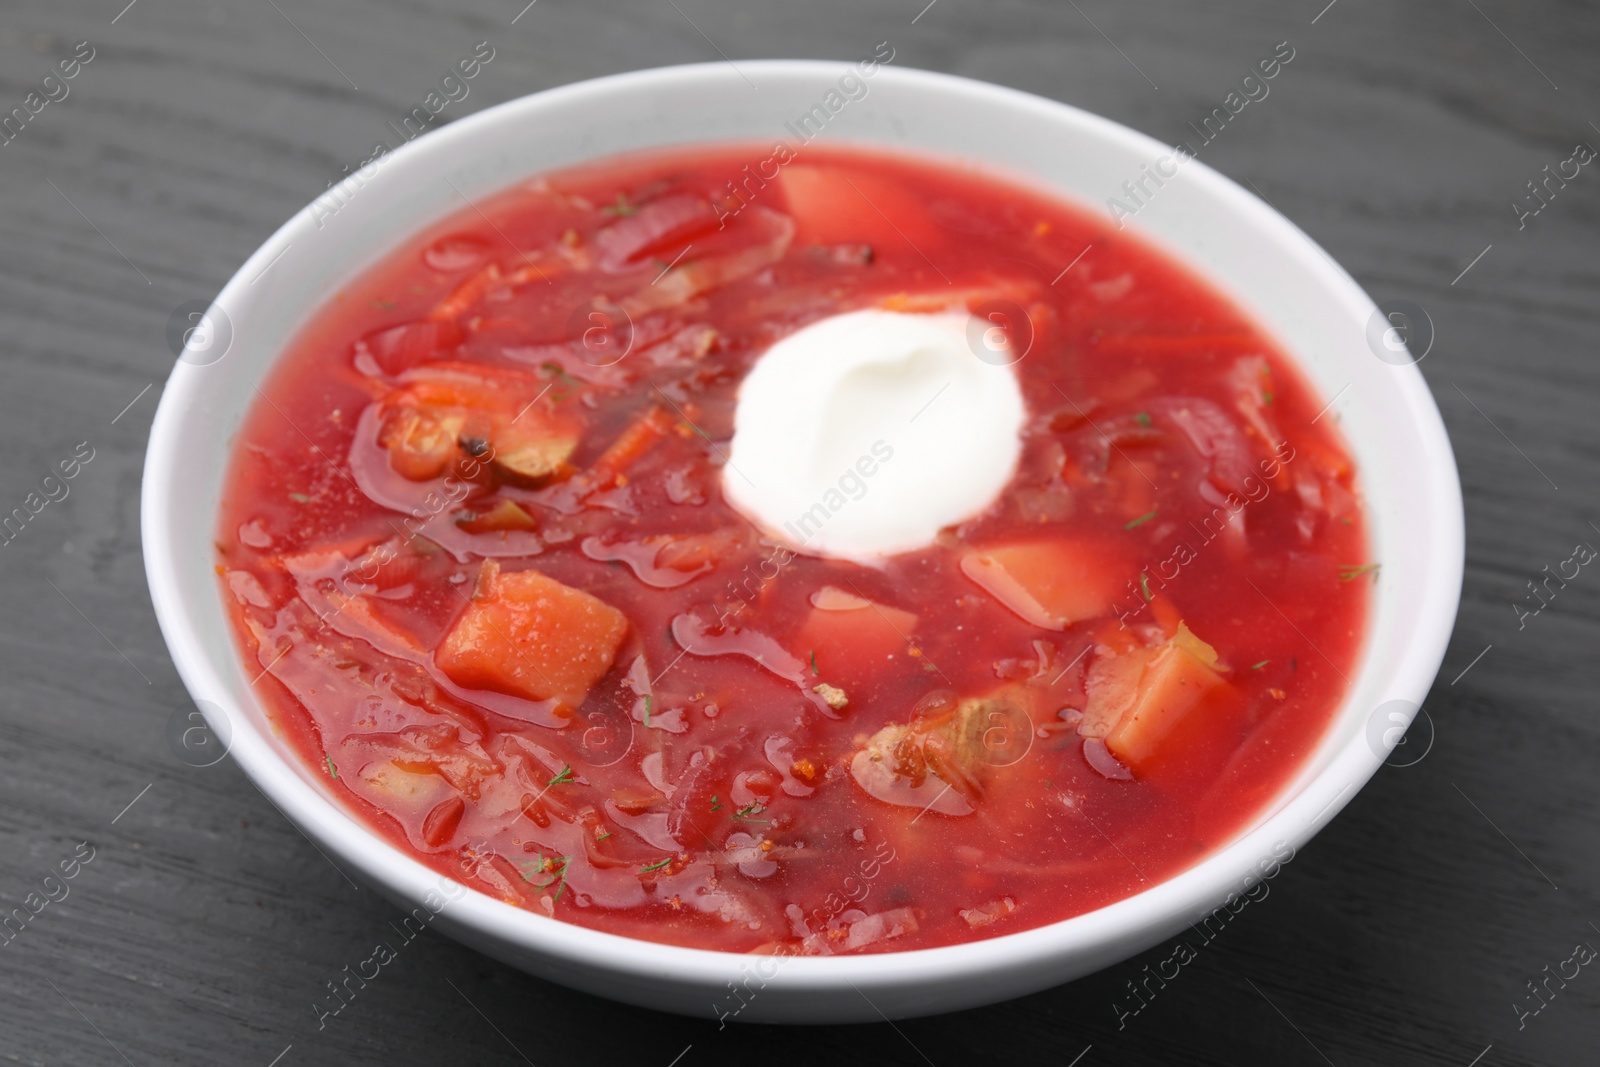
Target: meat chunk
column 941, row 760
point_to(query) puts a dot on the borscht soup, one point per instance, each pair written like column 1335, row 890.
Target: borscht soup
column 802, row 552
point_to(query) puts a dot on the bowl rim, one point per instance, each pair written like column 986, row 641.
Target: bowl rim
column 1164, row 905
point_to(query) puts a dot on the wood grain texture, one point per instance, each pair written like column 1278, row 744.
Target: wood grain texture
column 205, row 925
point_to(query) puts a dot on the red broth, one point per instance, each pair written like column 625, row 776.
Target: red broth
column 473, row 542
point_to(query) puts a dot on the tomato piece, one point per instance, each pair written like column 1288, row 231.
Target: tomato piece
column 1051, row 584
column 531, row 636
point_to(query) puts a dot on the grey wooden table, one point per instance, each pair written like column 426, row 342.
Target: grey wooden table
column 199, row 927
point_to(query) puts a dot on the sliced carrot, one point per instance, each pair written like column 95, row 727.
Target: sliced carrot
column 1016, row 291
column 465, row 295
column 640, row 436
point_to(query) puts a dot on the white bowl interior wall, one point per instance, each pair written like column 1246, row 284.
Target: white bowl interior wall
column 1249, row 251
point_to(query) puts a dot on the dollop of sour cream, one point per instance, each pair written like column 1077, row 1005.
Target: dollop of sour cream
column 864, row 434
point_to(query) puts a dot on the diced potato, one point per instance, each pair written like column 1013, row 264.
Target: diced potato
column 530, row 456
column 830, row 208
column 1111, row 688
column 849, row 636
column 531, row 636
column 385, row 783
column 832, row 598
column 1180, row 678
column 1051, row 584
column 1184, row 638
column 695, row 553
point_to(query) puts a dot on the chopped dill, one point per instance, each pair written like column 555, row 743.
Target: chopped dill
column 655, row 866
column 564, row 777
column 621, row 209
column 1352, row 572
column 1141, row 520
column 558, row 371
column 540, row 865
column 749, row 812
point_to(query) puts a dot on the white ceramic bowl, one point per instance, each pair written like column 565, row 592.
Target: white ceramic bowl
column 1318, row 313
